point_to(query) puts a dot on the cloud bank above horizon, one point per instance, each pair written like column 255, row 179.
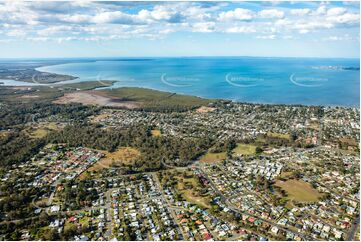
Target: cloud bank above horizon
column 81, row 28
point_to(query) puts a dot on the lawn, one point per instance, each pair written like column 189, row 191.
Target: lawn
column 299, row 191
column 245, row 149
column 213, row 157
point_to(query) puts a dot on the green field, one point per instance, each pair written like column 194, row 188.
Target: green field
column 244, row 149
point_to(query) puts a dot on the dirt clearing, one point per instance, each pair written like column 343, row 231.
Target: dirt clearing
column 95, row 98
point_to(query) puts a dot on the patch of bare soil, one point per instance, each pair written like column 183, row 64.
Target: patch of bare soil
column 95, row 98
column 204, row 109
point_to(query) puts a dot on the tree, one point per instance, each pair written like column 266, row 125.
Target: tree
column 50, row 234
column 259, row 150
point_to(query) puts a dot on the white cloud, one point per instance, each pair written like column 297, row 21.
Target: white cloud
column 345, row 37
column 203, row 27
column 336, row 11
column 272, row 36
column 241, row 29
column 54, row 30
column 300, row 11
column 321, row 9
column 303, row 31
column 94, row 21
column 160, row 13
column 236, row 14
column 271, row 13
column 283, row 22
column 39, row 39
column 16, row 33
column 77, row 18
column 117, row 17
column 347, row 18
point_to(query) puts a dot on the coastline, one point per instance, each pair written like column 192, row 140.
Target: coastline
column 100, row 88
column 28, row 72
column 118, row 84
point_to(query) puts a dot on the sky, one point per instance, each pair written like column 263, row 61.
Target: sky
column 140, row 29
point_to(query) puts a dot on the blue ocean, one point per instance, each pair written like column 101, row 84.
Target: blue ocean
column 308, row 81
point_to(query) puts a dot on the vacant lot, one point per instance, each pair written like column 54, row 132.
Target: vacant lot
column 41, row 130
column 299, row 191
column 98, row 118
column 123, row 155
column 95, row 98
column 188, row 188
column 244, row 149
column 348, row 141
column 205, row 109
column 213, row 157
column 156, row 132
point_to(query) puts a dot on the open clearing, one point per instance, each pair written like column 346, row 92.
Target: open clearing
column 205, row 109
column 100, row 117
column 244, row 149
column 348, row 141
column 156, row 133
column 213, row 157
column 188, row 188
column 300, row 191
column 123, row 155
column 96, row 98
column 29, row 96
column 41, row 130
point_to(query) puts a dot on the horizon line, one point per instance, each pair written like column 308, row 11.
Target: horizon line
column 189, row 56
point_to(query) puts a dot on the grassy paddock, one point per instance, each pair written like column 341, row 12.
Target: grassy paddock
column 299, row 191
column 123, row 155
column 190, row 193
column 213, row 157
column 244, row 149
column 41, row 130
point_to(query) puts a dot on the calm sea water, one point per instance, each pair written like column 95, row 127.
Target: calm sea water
column 258, row 80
